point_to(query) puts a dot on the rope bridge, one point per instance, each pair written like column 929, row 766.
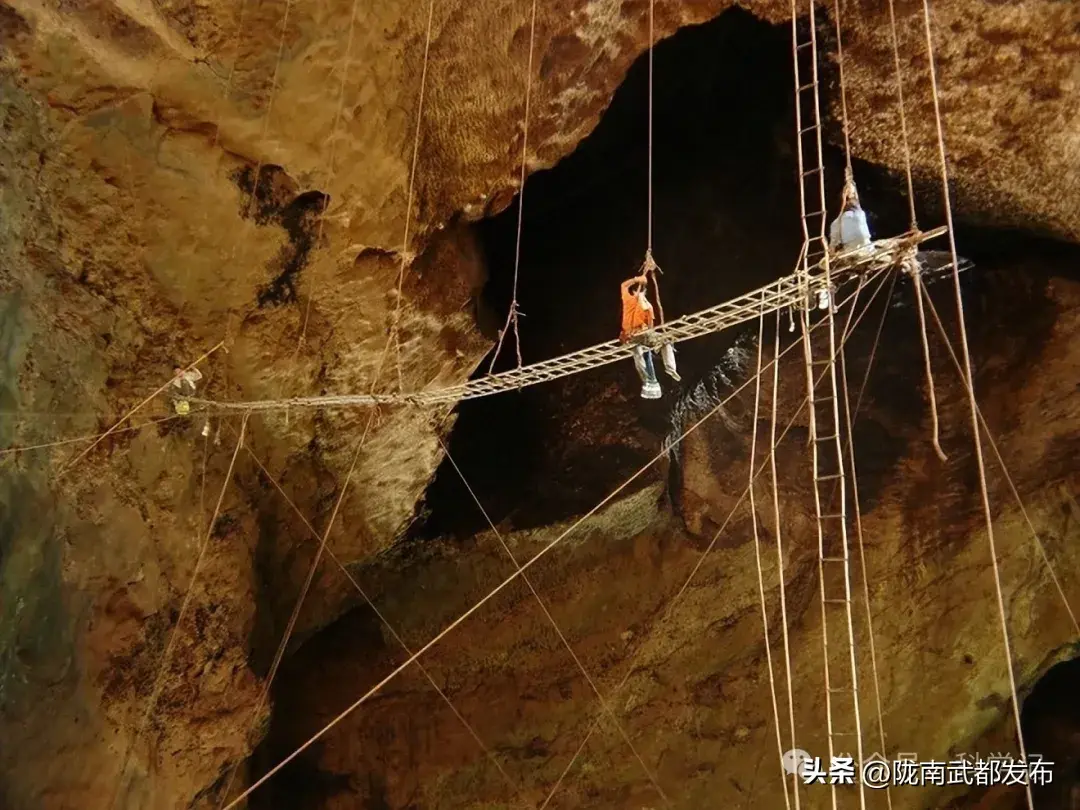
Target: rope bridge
column 789, row 291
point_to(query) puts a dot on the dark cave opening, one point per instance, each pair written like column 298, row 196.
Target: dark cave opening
column 1050, row 720
column 725, row 220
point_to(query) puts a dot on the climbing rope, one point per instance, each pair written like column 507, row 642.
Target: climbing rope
column 649, row 267
column 757, row 552
column 514, row 312
column 155, row 692
column 911, row 267
column 780, row 547
column 972, row 403
column 849, row 418
column 555, row 625
column 849, row 174
column 903, row 115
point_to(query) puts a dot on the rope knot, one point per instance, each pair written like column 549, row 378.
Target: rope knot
column 650, row 265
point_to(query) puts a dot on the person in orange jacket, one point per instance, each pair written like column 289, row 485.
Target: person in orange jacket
column 637, row 324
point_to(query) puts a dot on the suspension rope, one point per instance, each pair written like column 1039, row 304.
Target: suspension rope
column 649, row 217
column 849, row 423
column 686, row 584
column 972, row 403
column 155, row 692
column 757, row 552
column 558, row 631
column 650, row 268
column 490, row 595
column 877, row 342
column 367, row 599
column 406, row 256
column 849, row 175
column 916, row 281
column 331, row 170
column 1008, row 478
column 61, row 442
column 513, row 313
column 780, row 547
column 903, row 115
column 82, row 454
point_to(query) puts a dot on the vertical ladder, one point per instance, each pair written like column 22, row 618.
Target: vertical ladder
column 830, row 496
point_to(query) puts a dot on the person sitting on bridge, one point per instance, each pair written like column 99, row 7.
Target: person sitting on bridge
column 849, row 231
column 184, row 382
column 637, row 324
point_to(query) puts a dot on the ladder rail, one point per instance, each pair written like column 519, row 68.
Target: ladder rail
column 809, row 90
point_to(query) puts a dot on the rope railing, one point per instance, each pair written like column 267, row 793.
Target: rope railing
column 777, row 295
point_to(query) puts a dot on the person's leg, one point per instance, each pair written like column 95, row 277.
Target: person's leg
column 639, row 363
column 651, row 388
column 667, row 354
column 650, row 369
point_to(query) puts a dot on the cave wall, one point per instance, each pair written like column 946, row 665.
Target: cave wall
column 133, row 134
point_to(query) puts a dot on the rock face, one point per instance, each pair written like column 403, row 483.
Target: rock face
column 181, row 174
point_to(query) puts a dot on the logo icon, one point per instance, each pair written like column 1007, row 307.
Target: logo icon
column 795, row 760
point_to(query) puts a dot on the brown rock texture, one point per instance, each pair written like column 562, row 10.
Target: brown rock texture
column 180, row 173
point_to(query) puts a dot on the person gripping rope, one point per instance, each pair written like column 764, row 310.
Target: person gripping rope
column 637, row 325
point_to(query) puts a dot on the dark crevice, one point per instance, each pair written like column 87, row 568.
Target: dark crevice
column 1050, row 720
column 275, row 200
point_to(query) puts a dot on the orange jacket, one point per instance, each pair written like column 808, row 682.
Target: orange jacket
column 635, row 317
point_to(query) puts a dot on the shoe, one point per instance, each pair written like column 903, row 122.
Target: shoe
column 674, row 375
column 651, row 391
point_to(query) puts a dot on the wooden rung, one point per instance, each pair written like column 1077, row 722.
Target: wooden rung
column 834, row 516
column 836, row 601
column 810, row 171
column 835, row 559
column 803, row 87
column 847, row 689
column 829, row 477
column 828, row 438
